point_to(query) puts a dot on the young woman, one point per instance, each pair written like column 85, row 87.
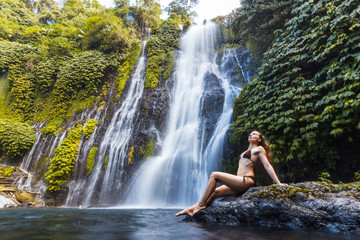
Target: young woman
column 233, row 184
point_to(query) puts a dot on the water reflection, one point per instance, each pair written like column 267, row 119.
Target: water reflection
column 131, row 224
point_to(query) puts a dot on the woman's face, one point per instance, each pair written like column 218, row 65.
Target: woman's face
column 254, row 137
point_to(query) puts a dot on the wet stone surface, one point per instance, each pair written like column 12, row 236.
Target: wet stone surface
column 309, row 205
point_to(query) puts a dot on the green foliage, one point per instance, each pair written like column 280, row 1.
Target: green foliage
column 91, row 160
column 357, row 176
column 127, row 67
column 49, row 75
column 146, row 14
column 256, row 21
column 89, row 128
column 79, row 79
column 159, row 49
column 6, row 171
column 17, row 13
column 305, row 97
column 15, row 137
column 325, row 177
column 169, row 65
column 62, row 164
column 182, row 8
column 105, row 33
column 49, row 129
column 150, row 149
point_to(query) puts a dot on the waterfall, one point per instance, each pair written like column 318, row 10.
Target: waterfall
column 200, row 114
column 106, row 186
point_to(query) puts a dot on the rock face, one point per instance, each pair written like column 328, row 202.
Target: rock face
column 212, row 102
column 310, row 205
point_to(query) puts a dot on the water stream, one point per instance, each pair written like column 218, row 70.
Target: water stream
column 114, row 147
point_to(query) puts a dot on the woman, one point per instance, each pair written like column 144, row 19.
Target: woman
column 258, row 149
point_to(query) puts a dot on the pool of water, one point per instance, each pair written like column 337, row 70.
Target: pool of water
column 66, row 223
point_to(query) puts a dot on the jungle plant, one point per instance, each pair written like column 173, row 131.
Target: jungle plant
column 305, row 97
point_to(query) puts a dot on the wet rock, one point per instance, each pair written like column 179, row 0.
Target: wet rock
column 13, row 196
column 211, row 105
column 310, row 205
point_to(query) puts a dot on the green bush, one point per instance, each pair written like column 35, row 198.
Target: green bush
column 105, row 33
column 15, row 137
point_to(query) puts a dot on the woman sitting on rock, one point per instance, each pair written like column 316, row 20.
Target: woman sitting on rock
column 258, row 149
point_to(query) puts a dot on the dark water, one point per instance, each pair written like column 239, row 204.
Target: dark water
column 131, row 224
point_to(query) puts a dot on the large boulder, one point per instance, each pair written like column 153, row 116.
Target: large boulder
column 310, row 205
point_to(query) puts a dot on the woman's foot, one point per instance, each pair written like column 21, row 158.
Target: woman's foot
column 199, row 206
column 186, row 211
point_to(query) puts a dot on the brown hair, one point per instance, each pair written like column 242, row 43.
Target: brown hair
column 266, row 145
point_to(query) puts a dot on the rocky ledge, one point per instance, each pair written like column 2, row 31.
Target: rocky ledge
column 10, row 195
column 310, row 205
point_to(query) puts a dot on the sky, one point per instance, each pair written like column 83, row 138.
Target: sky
column 206, row 9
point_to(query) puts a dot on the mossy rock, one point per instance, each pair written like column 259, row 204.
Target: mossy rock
column 24, row 197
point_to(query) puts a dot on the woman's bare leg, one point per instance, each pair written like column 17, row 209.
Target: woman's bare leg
column 235, row 183
column 219, row 191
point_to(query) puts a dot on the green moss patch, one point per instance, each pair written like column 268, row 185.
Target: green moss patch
column 90, row 161
column 62, row 164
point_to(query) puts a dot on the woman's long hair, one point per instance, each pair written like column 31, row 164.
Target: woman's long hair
column 266, row 145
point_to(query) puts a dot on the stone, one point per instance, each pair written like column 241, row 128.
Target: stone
column 309, row 205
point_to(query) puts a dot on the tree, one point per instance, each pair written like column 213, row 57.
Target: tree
column 182, row 8
column 146, row 14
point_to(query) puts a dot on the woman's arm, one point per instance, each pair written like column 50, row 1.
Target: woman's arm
column 269, row 169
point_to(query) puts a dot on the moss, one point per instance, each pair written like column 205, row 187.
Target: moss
column 131, row 155
column 15, row 137
column 6, row 171
column 150, row 149
column 24, row 197
column 288, row 192
column 62, row 164
column 49, row 130
column 169, row 65
column 106, row 160
column 90, row 161
column 89, row 128
column 159, row 49
column 127, row 67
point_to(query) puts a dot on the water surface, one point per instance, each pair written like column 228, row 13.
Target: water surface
column 65, row 223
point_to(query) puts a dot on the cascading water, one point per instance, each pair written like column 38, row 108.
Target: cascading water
column 114, row 145
column 192, row 147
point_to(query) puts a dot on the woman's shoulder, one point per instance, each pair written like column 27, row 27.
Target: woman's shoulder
column 258, row 149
